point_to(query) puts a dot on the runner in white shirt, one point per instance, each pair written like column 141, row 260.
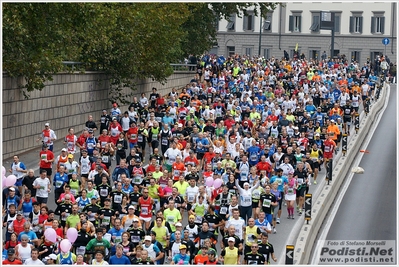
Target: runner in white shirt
column 237, row 222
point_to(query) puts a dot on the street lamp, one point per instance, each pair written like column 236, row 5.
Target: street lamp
column 327, row 19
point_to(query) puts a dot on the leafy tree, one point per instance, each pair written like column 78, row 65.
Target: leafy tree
column 126, row 40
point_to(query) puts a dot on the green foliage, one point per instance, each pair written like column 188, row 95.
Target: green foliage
column 126, row 40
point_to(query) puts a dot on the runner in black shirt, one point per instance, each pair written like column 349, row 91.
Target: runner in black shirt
column 266, row 249
column 254, row 257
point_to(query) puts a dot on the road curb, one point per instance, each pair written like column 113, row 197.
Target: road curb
column 309, row 232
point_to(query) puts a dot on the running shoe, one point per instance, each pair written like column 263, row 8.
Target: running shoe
column 285, row 203
column 274, row 231
column 278, row 220
column 297, row 208
column 292, row 217
column 315, row 182
column 289, row 217
column 300, row 211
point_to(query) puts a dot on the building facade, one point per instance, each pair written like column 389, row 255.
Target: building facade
column 359, row 30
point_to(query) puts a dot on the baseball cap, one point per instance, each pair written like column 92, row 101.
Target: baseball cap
column 191, row 216
column 135, row 220
column 333, row 121
column 178, row 224
column 182, row 247
column 115, row 105
column 11, row 189
column 19, row 212
column 52, row 256
column 317, row 134
column 63, row 150
column 147, row 238
column 104, row 110
column 10, row 251
column 231, row 239
column 211, row 252
column 131, row 207
column 94, row 197
column 180, row 125
column 70, row 156
column 47, row 124
column 90, row 131
column 246, row 184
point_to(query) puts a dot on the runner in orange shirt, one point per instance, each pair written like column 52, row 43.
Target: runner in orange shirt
column 178, row 168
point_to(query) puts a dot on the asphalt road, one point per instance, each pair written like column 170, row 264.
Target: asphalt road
column 368, row 210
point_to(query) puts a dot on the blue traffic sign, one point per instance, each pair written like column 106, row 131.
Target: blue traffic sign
column 385, row 41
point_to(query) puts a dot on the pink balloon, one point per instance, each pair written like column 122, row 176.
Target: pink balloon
column 72, row 234
column 4, row 181
column 217, row 183
column 50, row 234
column 10, row 180
column 3, row 170
column 65, row 245
column 209, row 181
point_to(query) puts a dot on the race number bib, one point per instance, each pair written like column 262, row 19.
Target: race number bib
column 103, row 192
column 144, row 210
column 140, row 139
column 164, row 142
column 117, row 199
column 223, row 210
column 266, row 203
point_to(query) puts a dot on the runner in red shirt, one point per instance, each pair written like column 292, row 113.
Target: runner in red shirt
column 328, row 148
column 115, row 129
column 263, row 165
column 46, row 161
column 104, row 138
column 208, row 156
column 132, row 135
column 70, row 140
column 145, row 203
column 11, row 258
column 81, row 142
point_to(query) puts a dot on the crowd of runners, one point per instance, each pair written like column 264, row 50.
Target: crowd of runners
column 217, row 162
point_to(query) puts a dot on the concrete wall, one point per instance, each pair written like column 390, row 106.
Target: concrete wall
column 64, row 102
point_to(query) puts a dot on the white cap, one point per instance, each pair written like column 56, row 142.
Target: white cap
column 180, row 125
column 51, row 256
column 232, row 239
column 64, row 149
column 178, row 224
column 147, row 238
column 47, row 124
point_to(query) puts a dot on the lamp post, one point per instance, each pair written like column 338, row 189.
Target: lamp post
column 327, row 19
column 260, row 35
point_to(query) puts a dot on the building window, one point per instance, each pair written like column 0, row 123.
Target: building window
column 355, row 56
column 314, row 54
column 295, row 23
column 231, row 50
column 249, row 21
column 315, row 27
column 267, row 53
column 267, row 23
column 248, row 51
column 337, row 23
column 356, row 24
column 377, row 24
column 232, row 21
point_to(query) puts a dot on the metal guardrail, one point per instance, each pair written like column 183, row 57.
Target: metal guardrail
column 184, row 67
column 176, row 67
